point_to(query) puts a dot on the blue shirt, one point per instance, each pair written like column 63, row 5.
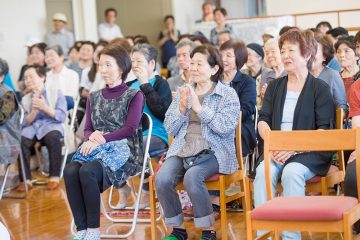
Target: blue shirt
column 158, row 126
column 8, row 82
column 334, row 64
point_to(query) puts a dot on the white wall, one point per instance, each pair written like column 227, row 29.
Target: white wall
column 186, row 12
column 286, row 7
column 20, row 20
column 236, row 8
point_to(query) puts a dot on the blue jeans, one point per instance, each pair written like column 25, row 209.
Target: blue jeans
column 170, row 174
column 293, row 180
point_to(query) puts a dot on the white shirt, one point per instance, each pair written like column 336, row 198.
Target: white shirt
column 108, row 33
column 85, row 82
column 67, row 81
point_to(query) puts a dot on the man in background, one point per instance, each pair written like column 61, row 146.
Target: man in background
column 109, row 30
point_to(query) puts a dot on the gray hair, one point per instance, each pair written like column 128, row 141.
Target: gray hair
column 186, row 42
column 149, row 51
column 272, row 41
column 57, row 48
column 4, row 67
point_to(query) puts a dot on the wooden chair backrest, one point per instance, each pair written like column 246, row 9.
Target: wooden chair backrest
column 310, row 140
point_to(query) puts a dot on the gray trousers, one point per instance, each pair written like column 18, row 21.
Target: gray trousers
column 170, row 174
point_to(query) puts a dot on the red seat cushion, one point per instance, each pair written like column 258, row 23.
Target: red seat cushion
column 213, row 178
column 317, row 179
column 310, row 208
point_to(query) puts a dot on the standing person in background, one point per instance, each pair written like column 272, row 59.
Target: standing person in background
column 109, row 30
column 167, row 40
column 60, row 36
column 207, row 16
column 221, row 26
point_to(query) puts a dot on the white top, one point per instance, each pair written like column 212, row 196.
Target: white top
column 288, row 111
column 108, row 33
column 85, row 82
column 67, row 81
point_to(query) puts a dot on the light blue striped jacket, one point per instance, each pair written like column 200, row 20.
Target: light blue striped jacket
column 219, row 118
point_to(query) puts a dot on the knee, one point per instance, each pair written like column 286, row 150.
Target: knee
column 86, row 171
column 71, row 170
column 163, row 182
column 192, row 181
column 292, row 174
column 52, row 136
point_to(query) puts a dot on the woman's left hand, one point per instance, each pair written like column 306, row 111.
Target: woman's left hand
column 282, row 156
column 196, row 105
column 40, row 103
column 88, row 147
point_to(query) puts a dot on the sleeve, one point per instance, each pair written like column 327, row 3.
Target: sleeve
column 60, row 108
column 354, row 100
column 8, row 107
column 339, row 92
column 71, row 41
column 324, row 107
column 158, row 100
column 222, row 120
column 174, row 119
column 248, row 99
column 132, row 121
column 265, row 114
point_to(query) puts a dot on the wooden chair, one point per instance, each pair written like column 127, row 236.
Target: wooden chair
column 217, row 182
column 336, row 174
column 307, row 213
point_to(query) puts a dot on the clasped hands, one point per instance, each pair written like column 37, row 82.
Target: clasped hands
column 280, row 157
column 187, row 92
column 96, row 139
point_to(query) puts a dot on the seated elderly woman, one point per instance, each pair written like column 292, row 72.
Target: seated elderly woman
column 297, row 101
column 202, row 118
column 324, row 53
column 10, row 129
column 45, row 112
column 113, row 148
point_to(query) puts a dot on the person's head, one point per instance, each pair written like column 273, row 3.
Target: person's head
column 206, row 64
column 269, row 33
column 123, row 43
column 4, row 69
column 130, row 40
column 34, row 77
column 224, row 36
column 37, row 54
column 199, row 40
column 110, row 15
column 207, row 8
column 87, row 51
column 323, row 27
column 336, row 33
column 114, row 65
column 325, row 51
column 234, row 55
column 357, row 43
column 183, row 50
column 298, row 50
column 220, row 15
column 286, row 28
column 54, row 56
column 144, row 56
column 74, row 54
column 59, row 20
column 139, row 39
column 255, row 55
column 98, row 48
column 272, row 53
column 169, row 21
column 345, row 49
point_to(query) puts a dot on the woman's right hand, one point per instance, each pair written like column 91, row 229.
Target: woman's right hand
column 352, row 157
column 97, row 137
column 184, row 93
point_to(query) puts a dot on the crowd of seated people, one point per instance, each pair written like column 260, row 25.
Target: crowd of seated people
column 296, row 80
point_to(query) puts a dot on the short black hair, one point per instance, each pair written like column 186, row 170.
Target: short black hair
column 222, row 10
column 324, row 23
column 348, row 41
column 169, row 17
column 338, row 32
column 110, row 10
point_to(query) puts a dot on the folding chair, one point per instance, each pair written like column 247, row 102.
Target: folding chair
column 7, row 168
column 306, row 213
column 218, row 182
column 146, row 121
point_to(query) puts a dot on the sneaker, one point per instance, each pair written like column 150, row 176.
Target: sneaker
column 123, row 197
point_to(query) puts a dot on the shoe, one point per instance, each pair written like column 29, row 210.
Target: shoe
column 21, row 187
column 124, row 190
column 52, row 185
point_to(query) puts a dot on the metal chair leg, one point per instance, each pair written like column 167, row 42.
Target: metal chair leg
column 4, row 182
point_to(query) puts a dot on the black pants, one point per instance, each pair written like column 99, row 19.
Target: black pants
column 83, row 183
column 350, row 187
column 52, row 142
